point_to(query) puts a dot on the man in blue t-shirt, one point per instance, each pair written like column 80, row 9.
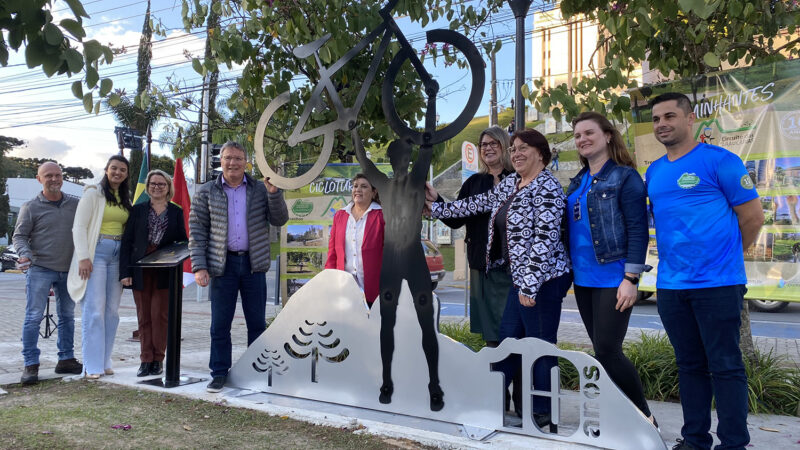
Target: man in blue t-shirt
column 706, row 213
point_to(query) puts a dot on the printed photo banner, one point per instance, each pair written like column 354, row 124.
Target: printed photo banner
column 755, row 113
column 304, row 239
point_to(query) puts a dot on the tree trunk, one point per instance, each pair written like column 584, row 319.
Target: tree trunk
column 746, row 335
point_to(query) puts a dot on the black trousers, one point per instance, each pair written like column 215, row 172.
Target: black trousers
column 607, row 327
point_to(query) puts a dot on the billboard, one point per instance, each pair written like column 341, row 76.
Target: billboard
column 755, row 113
column 304, row 239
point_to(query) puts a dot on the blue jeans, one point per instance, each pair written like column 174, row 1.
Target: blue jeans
column 37, row 289
column 703, row 327
column 224, row 290
column 101, row 307
column 538, row 321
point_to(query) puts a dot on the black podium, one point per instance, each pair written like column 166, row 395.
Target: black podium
column 171, row 258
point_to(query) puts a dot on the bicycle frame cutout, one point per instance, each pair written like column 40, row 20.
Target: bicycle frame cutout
column 346, row 117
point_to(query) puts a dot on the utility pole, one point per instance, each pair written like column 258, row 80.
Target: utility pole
column 202, row 172
column 493, row 94
column 520, row 9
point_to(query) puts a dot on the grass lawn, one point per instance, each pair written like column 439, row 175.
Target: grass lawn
column 81, row 414
column 448, row 257
column 470, row 133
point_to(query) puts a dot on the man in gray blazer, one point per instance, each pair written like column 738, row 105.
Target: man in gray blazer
column 229, row 246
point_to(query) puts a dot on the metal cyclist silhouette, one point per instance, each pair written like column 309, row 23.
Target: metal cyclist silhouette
column 403, row 195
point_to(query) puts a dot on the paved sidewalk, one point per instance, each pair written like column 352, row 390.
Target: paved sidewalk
column 194, row 361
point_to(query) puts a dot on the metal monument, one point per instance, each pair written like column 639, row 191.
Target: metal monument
column 324, row 345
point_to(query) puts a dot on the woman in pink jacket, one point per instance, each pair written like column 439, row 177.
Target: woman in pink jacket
column 356, row 243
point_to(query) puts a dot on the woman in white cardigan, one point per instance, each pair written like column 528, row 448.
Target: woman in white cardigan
column 94, row 273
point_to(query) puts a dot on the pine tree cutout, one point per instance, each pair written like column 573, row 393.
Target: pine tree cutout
column 315, row 345
column 270, row 361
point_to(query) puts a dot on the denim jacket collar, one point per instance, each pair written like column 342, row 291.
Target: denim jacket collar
column 601, row 175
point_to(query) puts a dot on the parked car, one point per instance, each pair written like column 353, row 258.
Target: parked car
column 759, row 305
column 767, row 305
column 8, row 259
column 435, row 262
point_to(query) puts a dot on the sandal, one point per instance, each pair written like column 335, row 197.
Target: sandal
column 92, row 376
column 109, row 371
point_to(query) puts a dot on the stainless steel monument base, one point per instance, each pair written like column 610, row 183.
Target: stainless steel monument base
column 324, row 345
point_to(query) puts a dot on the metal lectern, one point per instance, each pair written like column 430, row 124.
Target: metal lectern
column 171, row 257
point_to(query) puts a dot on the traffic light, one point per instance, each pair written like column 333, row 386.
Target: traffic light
column 128, row 138
column 216, row 162
column 132, row 142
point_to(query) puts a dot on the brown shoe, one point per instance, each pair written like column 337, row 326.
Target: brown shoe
column 69, row 366
column 30, row 375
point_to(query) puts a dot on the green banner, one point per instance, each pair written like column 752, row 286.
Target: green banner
column 304, row 239
column 755, row 113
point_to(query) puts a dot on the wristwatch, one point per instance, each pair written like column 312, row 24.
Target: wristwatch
column 633, row 280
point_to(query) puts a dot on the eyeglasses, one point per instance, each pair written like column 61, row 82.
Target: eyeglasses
column 158, row 185
column 494, row 144
column 232, row 158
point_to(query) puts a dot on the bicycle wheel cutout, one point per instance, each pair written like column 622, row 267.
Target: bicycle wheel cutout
column 476, row 69
column 292, row 158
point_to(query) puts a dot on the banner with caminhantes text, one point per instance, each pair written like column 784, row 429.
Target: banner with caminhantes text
column 755, row 113
column 304, row 239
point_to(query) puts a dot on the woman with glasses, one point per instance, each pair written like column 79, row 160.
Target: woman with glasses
column 94, row 272
column 152, row 225
column 608, row 237
column 488, row 289
column 526, row 209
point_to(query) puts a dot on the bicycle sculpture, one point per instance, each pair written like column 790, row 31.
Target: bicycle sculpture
column 403, row 195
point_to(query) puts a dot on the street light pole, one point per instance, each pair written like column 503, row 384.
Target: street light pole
column 520, row 9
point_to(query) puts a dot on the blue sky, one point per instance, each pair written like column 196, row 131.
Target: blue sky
column 43, row 112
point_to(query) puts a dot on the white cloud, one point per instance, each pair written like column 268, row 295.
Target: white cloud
column 42, row 147
column 90, row 149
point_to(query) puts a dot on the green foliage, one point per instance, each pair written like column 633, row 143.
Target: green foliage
column 773, row 386
column 161, row 162
column 31, row 23
column 654, row 359
column 448, row 257
column 129, row 112
column 6, row 144
column 686, row 38
column 14, row 167
column 459, row 331
column 263, row 36
column 165, row 163
column 452, row 152
column 773, row 381
column 75, row 174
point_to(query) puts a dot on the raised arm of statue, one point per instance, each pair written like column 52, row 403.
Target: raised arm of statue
column 375, row 176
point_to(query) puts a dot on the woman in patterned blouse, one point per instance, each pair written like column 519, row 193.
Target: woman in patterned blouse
column 526, row 208
column 152, row 225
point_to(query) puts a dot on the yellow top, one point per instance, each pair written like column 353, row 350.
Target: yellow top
column 114, row 218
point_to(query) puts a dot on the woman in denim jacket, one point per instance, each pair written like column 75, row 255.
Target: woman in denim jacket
column 607, row 217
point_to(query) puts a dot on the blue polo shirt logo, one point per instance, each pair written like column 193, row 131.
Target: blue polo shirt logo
column 688, row 180
column 746, row 182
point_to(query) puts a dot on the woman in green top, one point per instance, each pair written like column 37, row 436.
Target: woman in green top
column 94, row 275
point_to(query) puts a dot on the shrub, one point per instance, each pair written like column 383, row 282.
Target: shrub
column 654, row 359
column 773, row 385
column 459, row 331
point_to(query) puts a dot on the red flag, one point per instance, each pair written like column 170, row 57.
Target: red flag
column 182, row 199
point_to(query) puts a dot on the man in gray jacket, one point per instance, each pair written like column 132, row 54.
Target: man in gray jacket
column 43, row 240
column 229, row 247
